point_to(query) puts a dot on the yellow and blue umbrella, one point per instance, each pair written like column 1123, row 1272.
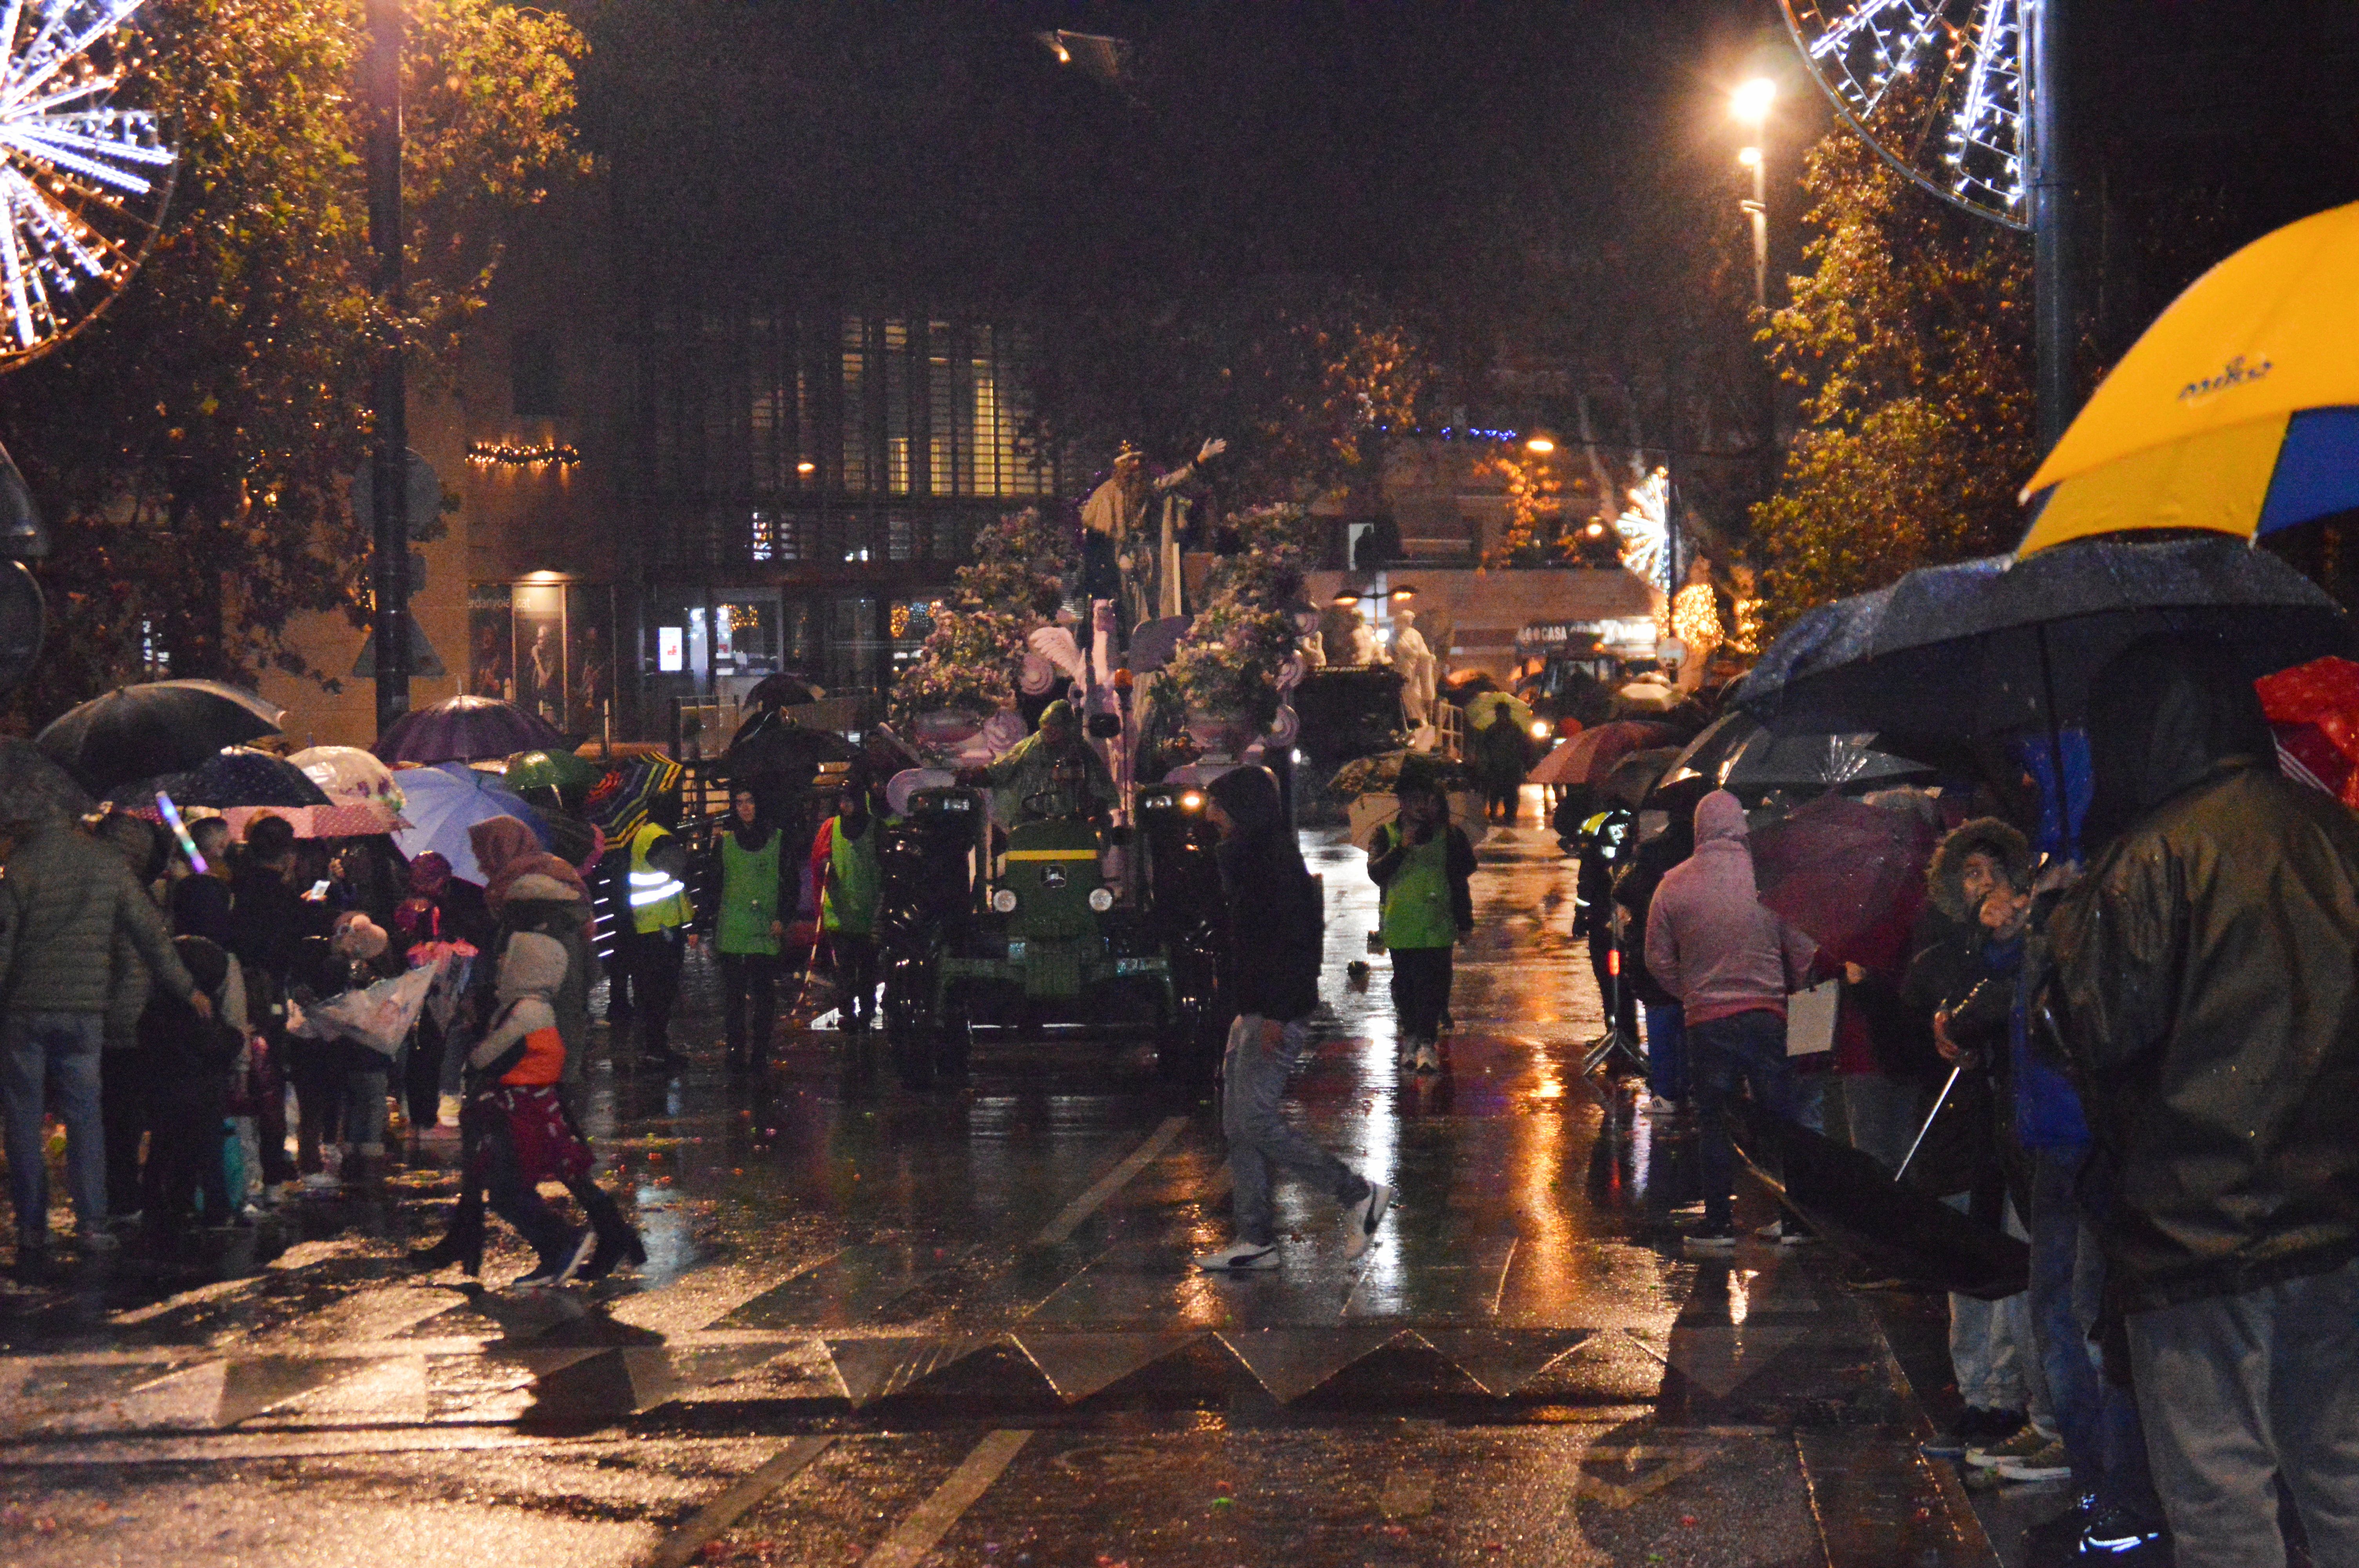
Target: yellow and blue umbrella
column 2236, row 412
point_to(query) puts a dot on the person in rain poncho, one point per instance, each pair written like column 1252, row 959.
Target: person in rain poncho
column 1049, row 773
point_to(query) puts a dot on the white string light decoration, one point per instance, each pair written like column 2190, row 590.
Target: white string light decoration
column 1646, row 528
column 1936, row 86
column 84, row 183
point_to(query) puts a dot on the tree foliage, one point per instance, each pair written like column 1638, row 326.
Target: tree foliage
column 1910, row 339
column 190, row 449
column 968, row 662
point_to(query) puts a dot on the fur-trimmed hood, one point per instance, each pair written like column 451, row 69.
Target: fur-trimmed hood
column 1988, row 834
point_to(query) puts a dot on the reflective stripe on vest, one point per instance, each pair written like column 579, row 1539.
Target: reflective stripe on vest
column 658, row 898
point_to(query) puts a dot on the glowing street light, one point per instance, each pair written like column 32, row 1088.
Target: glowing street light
column 1751, row 101
column 1750, row 158
column 1540, row 444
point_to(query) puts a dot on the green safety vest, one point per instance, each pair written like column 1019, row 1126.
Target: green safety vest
column 658, row 900
column 1416, row 911
column 749, row 897
column 849, row 901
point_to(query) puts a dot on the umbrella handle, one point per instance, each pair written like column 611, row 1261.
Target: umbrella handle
column 1940, row 1100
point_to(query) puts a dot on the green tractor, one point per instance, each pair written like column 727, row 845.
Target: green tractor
column 1024, row 933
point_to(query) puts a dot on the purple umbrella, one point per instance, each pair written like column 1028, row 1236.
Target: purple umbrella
column 466, row 730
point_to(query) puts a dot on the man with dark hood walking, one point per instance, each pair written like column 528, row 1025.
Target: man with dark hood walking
column 1270, row 975
column 2204, row 988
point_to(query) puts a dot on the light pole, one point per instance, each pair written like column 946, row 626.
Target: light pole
column 1750, row 105
column 388, row 380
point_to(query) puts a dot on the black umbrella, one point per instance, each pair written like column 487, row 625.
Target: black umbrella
column 2001, row 645
column 1817, row 761
column 1629, row 779
column 1707, row 756
column 162, row 727
column 1853, row 1202
column 785, row 689
column 769, row 745
column 240, row 775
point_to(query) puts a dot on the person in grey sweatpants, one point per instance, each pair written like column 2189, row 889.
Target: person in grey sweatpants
column 1270, row 974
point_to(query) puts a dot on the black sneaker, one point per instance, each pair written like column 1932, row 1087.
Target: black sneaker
column 2118, row 1536
column 1974, row 1428
column 2059, row 1540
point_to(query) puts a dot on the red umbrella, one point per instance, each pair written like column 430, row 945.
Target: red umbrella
column 1850, row 874
column 1589, row 756
column 2314, row 708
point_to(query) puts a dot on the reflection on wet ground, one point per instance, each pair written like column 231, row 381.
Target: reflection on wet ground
column 876, row 1324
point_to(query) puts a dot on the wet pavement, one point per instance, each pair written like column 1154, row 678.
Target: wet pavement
column 961, row 1327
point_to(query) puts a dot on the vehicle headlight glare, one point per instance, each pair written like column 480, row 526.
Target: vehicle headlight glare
column 1100, row 898
column 1004, row 901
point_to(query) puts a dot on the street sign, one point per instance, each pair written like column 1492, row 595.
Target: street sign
column 424, row 664
column 422, row 493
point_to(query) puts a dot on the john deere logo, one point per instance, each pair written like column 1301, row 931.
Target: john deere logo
column 2235, row 373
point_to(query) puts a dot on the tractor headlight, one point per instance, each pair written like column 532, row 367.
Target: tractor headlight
column 1004, row 901
column 1100, row 898
column 1539, row 729
column 1192, row 801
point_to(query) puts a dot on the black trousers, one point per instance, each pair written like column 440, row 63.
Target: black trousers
column 654, row 960
column 855, row 976
column 749, row 1000
column 1421, row 977
column 184, row 1150
column 125, row 1092
column 1600, row 965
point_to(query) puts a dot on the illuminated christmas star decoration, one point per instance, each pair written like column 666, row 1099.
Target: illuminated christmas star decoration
column 1936, row 86
column 1646, row 528
column 83, row 183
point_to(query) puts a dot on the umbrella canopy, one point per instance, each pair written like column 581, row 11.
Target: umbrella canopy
column 240, row 775
column 561, row 771
column 1637, row 773
column 2006, row 646
column 162, row 727
column 771, row 746
column 786, row 689
column 618, row 803
column 1854, row 1202
column 466, row 730
column 1587, row 757
column 349, row 777
column 1849, row 874
column 443, row 802
column 2314, row 710
column 1491, row 706
column 2234, row 411
column 32, row 786
column 1817, row 761
column 1708, row 755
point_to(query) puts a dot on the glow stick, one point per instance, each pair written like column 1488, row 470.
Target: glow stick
column 180, row 831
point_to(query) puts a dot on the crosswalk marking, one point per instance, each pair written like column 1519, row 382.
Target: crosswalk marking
column 1112, row 1182
column 724, row 1510
column 924, row 1528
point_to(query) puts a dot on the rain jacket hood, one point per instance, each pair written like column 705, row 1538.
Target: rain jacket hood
column 2161, row 713
column 1710, row 941
column 508, row 851
column 2204, row 988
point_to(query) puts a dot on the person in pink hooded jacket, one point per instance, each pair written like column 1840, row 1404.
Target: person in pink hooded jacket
column 1731, row 962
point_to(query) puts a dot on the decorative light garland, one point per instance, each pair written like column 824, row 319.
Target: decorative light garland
column 506, row 455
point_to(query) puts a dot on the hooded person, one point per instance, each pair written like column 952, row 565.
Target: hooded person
column 2199, row 977
column 525, row 889
column 1049, row 772
column 439, row 908
column 760, row 882
column 1273, row 941
column 1732, row 962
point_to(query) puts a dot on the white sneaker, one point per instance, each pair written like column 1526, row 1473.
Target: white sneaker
column 1777, row 1231
column 1428, row 1059
column 1239, row 1256
column 1362, row 1218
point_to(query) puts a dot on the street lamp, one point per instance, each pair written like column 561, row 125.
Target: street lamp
column 1750, row 104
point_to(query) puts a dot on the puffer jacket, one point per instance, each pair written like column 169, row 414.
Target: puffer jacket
column 63, row 899
column 1710, row 941
column 2203, row 987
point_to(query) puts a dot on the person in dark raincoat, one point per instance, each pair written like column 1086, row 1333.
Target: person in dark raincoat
column 2204, row 988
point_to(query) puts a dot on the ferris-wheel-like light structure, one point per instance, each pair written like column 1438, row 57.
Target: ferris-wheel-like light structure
column 1936, row 86
column 82, row 183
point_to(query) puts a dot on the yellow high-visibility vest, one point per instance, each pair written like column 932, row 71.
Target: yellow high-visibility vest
column 658, row 900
